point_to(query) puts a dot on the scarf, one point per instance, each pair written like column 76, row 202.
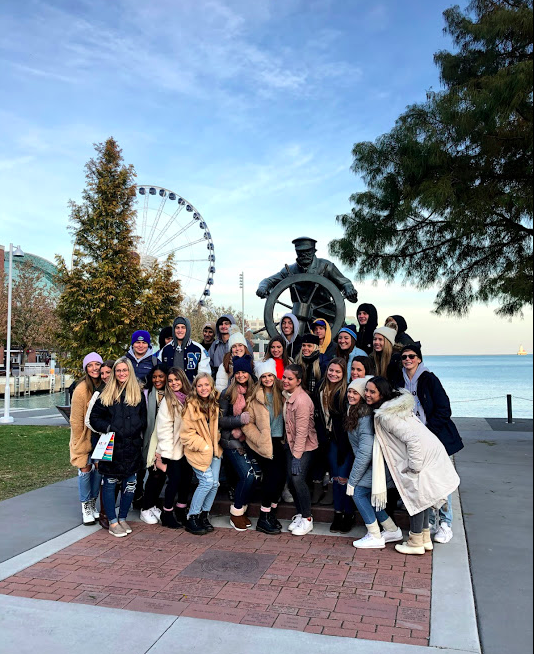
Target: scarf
column 379, row 497
column 279, row 368
column 181, row 397
column 311, row 382
column 238, row 408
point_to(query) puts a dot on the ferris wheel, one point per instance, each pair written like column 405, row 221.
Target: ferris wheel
column 168, row 224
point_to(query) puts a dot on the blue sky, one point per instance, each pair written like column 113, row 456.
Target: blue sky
column 247, row 109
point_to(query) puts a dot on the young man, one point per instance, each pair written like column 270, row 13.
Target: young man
column 219, row 348
column 289, row 329
column 165, row 337
column 184, row 353
column 327, row 347
column 141, row 355
column 208, row 335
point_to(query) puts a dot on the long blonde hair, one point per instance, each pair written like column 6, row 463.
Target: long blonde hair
column 278, row 398
column 113, row 391
column 382, row 359
column 205, row 405
column 173, row 403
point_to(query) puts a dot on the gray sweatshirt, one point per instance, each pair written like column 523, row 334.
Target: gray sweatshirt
column 411, row 385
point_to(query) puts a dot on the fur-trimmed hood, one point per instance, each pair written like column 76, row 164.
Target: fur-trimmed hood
column 402, row 406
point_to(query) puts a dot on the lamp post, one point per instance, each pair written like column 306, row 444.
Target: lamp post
column 242, row 287
column 17, row 252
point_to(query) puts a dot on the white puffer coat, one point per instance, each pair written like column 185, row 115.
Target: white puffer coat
column 168, row 432
column 407, row 443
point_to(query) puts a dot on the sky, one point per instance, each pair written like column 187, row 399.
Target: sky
column 249, row 110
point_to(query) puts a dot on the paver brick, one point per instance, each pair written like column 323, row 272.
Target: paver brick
column 291, row 622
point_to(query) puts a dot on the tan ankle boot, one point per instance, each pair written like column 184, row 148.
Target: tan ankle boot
column 414, row 545
column 427, row 540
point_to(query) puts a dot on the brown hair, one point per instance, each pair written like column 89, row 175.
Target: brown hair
column 227, row 359
column 268, row 355
column 231, row 391
column 278, row 398
column 330, row 390
column 173, row 403
column 355, row 412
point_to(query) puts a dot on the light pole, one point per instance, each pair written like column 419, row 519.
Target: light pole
column 242, row 287
column 6, row 419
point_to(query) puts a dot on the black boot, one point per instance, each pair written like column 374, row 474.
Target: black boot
column 181, row 515
column 168, row 520
column 205, row 522
column 266, row 526
column 194, row 526
column 337, row 525
column 274, row 520
column 347, row 522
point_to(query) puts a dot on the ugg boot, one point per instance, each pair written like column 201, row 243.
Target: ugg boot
column 414, row 545
column 247, row 519
column 427, row 540
column 238, row 520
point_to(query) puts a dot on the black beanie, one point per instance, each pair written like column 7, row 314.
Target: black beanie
column 243, row 364
column 311, row 339
column 166, row 332
column 413, row 347
column 401, row 322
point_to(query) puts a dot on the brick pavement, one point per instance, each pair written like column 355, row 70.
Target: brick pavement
column 317, row 584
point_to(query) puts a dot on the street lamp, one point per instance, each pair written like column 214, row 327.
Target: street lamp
column 17, row 252
column 242, row 287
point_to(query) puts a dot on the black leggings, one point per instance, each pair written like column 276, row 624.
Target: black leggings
column 178, row 477
column 420, row 521
column 274, row 474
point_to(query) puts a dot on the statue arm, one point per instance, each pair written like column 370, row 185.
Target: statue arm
column 342, row 282
column 269, row 283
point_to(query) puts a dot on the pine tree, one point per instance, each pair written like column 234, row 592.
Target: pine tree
column 449, row 188
column 108, row 294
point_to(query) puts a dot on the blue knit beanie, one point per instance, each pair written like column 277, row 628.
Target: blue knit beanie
column 142, row 336
column 242, row 364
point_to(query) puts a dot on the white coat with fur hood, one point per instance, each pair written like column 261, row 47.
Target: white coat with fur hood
column 407, row 444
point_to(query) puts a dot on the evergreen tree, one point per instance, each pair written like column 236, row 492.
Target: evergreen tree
column 449, row 188
column 108, row 294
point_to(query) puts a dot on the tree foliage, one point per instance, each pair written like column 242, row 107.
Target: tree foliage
column 107, row 294
column 199, row 316
column 33, row 304
column 449, row 188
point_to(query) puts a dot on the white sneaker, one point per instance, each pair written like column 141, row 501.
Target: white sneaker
column 87, row 513
column 304, row 527
column 444, row 533
column 96, row 513
column 156, row 512
column 392, row 536
column 296, row 521
column 369, row 542
column 148, row 517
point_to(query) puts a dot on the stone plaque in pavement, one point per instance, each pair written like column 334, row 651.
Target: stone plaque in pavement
column 224, row 565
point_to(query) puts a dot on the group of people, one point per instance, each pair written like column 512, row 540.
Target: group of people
column 359, row 415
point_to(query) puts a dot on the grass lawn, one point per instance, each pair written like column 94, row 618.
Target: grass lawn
column 32, row 457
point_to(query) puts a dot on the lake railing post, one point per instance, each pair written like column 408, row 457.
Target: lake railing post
column 510, row 410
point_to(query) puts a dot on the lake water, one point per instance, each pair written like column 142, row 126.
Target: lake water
column 476, row 385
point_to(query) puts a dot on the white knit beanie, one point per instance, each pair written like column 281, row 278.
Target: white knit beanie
column 387, row 332
column 265, row 368
column 235, row 339
column 359, row 385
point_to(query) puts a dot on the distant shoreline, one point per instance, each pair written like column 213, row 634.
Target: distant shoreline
column 513, row 354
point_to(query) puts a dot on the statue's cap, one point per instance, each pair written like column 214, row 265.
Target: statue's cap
column 304, row 243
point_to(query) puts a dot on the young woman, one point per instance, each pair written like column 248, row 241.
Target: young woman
column 433, row 408
column 301, row 443
column 360, row 367
column 417, row 461
column 121, row 409
column 277, row 350
column 369, row 473
column 312, row 362
column 169, row 454
column 332, row 411
column 154, row 394
column 264, row 434
column 237, row 347
column 367, row 317
column 347, row 348
column 200, row 439
column 289, row 329
column 82, row 440
column 234, row 414
column 384, row 361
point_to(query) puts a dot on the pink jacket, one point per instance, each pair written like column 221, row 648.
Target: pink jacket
column 300, row 426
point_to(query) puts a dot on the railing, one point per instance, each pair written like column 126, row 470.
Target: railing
column 509, row 403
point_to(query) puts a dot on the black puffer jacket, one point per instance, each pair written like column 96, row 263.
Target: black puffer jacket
column 128, row 423
column 227, row 422
column 338, row 433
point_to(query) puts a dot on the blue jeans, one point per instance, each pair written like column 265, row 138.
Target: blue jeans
column 248, row 471
column 127, row 495
column 445, row 513
column 342, row 503
column 362, row 499
column 89, row 484
column 206, row 491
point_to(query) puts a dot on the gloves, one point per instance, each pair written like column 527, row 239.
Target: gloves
column 245, row 418
column 350, row 490
column 351, row 293
column 295, row 467
column 263, row 293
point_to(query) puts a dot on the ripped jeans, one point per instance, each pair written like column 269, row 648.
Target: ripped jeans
column 248, row 472
column 127, row 494
column 89, row 484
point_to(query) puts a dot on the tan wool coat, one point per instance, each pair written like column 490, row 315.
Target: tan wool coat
column 80, row 435
column 200, row 440
column 258, row 431
column 408, row 444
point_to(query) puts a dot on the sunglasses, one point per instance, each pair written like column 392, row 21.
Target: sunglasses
column 409, row 356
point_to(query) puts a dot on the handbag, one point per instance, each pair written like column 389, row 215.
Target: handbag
column 104, row 448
